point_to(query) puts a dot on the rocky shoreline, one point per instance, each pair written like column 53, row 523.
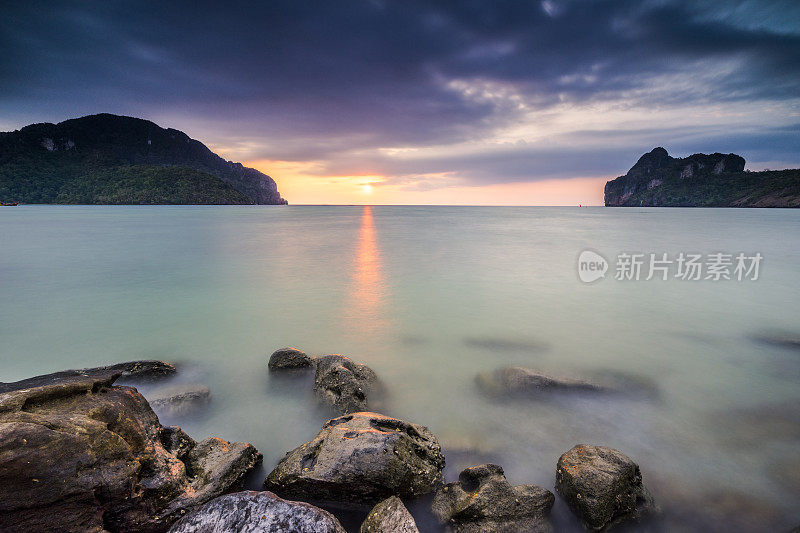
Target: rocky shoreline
column 79, row 452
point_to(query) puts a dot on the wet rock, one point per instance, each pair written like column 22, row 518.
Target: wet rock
column 78, row 453
column 180, row 399
column 257, row 512
column 482, row 500
column 358, row 459
column 343, row 384
column 389, row 516
column 289, row 359
column 143, row 371
column 130, row 371
column 602, row 486
column 519, row 381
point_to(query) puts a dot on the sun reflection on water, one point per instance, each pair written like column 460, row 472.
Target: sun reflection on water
column 367, row 296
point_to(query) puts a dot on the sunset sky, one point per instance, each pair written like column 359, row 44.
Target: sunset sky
column 412, row 102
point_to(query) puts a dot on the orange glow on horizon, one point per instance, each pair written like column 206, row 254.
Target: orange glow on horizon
column 302, row 183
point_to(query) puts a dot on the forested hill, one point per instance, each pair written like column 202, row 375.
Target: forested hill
column 701, row 180
column 111, row 159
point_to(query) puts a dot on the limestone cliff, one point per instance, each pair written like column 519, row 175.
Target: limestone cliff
column 701, row 180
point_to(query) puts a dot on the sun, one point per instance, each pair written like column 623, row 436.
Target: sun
column 366, row 188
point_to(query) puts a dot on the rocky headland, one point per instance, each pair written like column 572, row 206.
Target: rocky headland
column 701, row 180
column 112, row 159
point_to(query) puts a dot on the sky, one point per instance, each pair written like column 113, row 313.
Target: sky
column 504, row 102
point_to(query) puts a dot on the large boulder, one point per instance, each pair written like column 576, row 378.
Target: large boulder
column 482, row 501
column 359, row 459
column 520, row 381
column 257, row 512
column 602, row 486
column 343, row 384
column 78, row 453
column 389, row 516
column 289, row 359
column 179, row 399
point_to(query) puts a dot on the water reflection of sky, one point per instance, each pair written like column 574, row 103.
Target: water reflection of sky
column 365, row 311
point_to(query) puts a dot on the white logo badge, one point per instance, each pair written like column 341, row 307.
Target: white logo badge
column 591, row 266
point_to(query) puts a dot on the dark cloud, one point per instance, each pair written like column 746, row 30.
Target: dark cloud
column 311, row 80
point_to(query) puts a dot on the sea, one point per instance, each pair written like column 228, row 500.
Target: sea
column 431, row 297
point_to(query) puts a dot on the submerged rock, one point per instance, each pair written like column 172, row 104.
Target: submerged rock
column 504, row 345
column 780, row 339
column 180, row 399
column 625, row 383
column 519, row 381
column 360, row 458
column 389, row 516
column 722, row 510
column 78, row 453
column 289, row 359
column 257, row 512
column 482, row 500
column 343, row 384
column 602, row 486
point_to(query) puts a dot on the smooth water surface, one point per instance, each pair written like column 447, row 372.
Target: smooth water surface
column 429, row 297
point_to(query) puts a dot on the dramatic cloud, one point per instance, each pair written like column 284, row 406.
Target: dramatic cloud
column 424, row 94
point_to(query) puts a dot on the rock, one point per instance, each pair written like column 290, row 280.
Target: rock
column 289, row 358
column 179, row 399
column 602, row 486
column 752, row 425
column 482, row 500
column 625, row 383
column 389, row 516
column 725, row 510
column 257, row 512
column 526, row 382
column 358, row 459
column 78, row 453
column 504, row 345
column 701, row 180
column 343, row 384
column 519, row 381
column 656, row 171
column 790, row 341
column 130, row 371
column 114, row 146
column 144, row 370
column 464, row 449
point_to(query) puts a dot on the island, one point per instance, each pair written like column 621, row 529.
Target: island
column 701, row 180
column 112, row 159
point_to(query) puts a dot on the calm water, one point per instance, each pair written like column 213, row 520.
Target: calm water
column 429, row 297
